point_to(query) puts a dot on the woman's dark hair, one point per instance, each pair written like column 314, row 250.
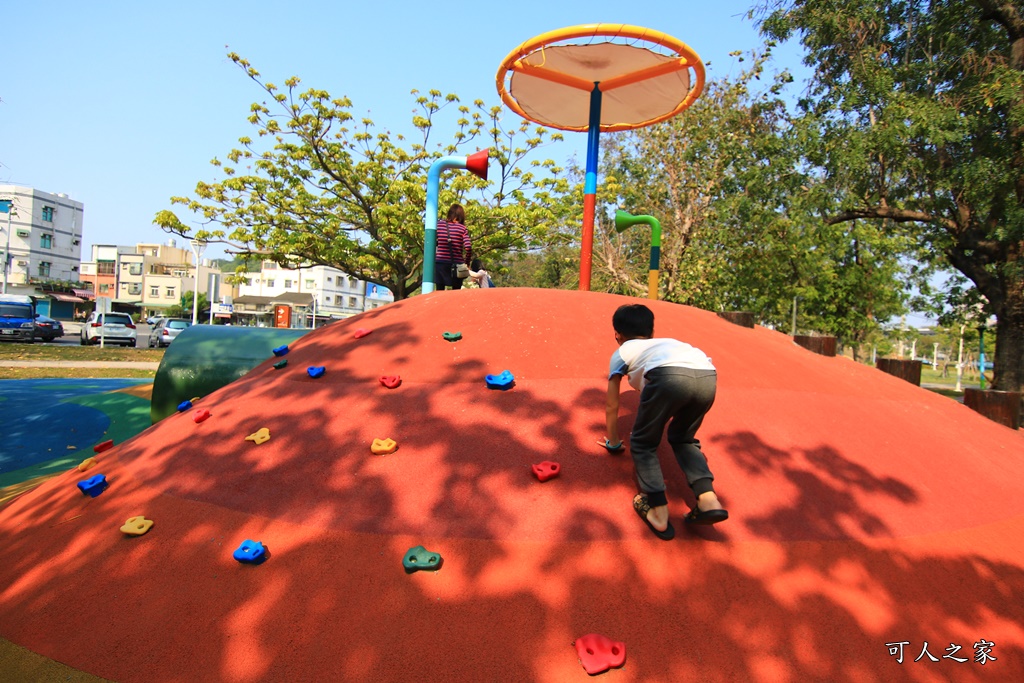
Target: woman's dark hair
column 633, row 320
column 475, row 265
column 457, row 213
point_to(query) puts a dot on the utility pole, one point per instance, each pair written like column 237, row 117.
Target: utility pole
column 197, row 249
column 7, row 206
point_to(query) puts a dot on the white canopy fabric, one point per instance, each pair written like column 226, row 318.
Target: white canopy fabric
column 567, row 107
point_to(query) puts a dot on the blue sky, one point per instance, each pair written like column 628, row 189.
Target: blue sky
column 123, row 104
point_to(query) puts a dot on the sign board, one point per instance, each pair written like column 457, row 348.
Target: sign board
column 222, row 309
column 103, row 304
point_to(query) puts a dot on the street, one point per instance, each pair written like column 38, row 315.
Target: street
column 73, row 335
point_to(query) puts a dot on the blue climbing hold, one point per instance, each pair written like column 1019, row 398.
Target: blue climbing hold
column 503, row 381
column 251, row 552
column 316, row 371
column 184, row 405
column 281, row 350
column 93, row 486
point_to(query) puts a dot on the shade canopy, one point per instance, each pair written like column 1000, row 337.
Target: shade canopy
column 644, row 77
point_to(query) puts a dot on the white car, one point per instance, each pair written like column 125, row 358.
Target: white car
column 116, row 328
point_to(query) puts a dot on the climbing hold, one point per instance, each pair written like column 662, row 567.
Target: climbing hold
column 391, row 381
column 262, row 435
column 104, row 445
column 136, row 526
column 452, row 336
column 316, row 371
column 195, row 399
column 93, row 486
column 361, row 332
column 599, row 653
column 251, row 552
column 280, row 364
column 86, row 464
column 419, row 558
column 184, row 405
column 383, row 446
column 200, row 415
column 281, row 350
column 503, row 381
column 546, row 470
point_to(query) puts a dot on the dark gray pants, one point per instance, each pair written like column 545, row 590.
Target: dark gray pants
column 683, row 396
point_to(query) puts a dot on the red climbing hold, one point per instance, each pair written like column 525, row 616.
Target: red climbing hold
column 391, row 381
column 103, row 446
column 599, row 653
column 200, row 415
column 546, row 470
column 361, row 332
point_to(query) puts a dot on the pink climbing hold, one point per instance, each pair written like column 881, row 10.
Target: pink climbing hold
column 599, row 653
column 546, row 470
column 103, row 446
column 200, row 415
column 361, row 332
column 391, row 381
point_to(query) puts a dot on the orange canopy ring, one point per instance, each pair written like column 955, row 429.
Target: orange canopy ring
column 549, row 79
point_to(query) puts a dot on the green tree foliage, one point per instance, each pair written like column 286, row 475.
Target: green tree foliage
column 921, row 108
column 184, row 308
column 317, row 186
column 741, row 215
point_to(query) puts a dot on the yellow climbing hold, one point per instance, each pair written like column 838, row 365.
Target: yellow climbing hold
column 383, row 446
column 86, row 464
column 262, row 435
column 136, row 526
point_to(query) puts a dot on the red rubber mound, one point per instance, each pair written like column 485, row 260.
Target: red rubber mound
column 864, row 512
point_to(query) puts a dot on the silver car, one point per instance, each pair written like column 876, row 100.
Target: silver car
column 166, row 330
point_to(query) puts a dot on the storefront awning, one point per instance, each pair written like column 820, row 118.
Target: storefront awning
column 57, row 296
column 84, row 293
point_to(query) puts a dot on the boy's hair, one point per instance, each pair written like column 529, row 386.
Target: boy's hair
column 476, row 265
column 457, row 213
column 634, row 320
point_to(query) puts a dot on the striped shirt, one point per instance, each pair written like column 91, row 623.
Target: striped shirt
column 457, row 234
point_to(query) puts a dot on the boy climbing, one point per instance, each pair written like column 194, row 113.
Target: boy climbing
column 677, row 383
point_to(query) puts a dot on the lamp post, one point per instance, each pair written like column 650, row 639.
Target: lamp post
column 7, row 206
column 197, row 248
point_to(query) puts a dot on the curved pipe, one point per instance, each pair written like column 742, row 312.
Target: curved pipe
column 477, row 164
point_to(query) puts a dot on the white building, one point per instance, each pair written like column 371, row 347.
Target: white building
column 325, row 291
column 45, row 237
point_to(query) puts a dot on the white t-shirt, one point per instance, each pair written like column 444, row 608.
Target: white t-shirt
column 638, row 356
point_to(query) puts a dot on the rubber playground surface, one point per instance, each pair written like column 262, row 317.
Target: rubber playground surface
column 50, row 423
column 872, row 523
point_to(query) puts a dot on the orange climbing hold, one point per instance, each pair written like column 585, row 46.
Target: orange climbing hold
column 383, row 446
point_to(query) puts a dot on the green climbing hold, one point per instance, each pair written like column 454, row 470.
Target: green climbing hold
column 419, row 558
column 452, row 336
column 280, row 364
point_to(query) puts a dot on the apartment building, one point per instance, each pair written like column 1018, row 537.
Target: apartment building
column 317, row 290
column 42, row 237
column 147, row 278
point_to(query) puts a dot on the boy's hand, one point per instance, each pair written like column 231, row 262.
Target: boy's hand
column 613, row 448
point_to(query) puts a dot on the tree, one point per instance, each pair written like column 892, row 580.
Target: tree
column 336, row 192
column 741, row 212
column 921, row 108
column 184, row 309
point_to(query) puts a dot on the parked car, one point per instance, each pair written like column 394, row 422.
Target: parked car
column 116, row 328
column 166, row 330
column 154, row 319
column 48, row 329
column 17, row 313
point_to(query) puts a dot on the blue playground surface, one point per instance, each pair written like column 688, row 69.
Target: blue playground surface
column 51, row 425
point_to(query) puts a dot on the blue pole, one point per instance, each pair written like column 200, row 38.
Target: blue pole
column 590, row 189
column 430, row 218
